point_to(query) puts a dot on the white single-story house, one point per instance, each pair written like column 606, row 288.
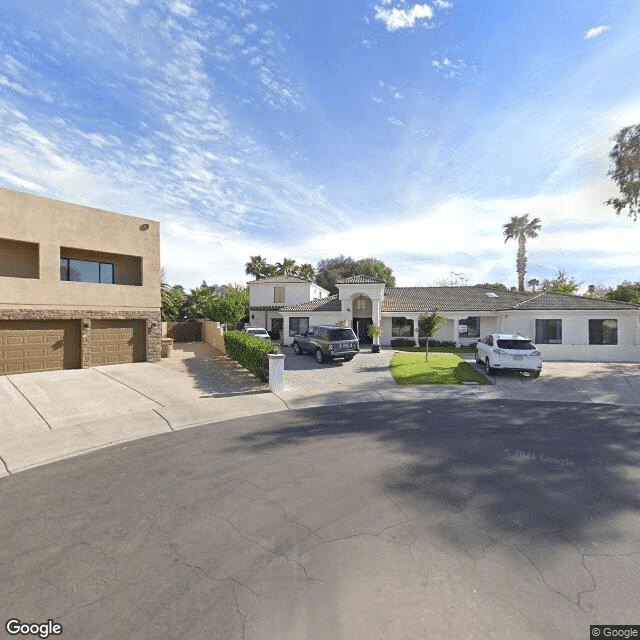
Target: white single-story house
column 564, row 327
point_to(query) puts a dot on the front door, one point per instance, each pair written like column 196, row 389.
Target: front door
column 360, row 326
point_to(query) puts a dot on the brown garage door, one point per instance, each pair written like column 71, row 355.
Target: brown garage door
column 39, row 345
column 117, row 341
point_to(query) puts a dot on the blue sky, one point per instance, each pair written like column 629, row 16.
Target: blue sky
column 405, row 131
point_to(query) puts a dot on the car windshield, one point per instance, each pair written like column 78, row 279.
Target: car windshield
column 342, row 334
column 256, row 331
column 519, row 345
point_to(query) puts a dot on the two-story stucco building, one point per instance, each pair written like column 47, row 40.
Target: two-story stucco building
column 79, row 286
column 268, row 295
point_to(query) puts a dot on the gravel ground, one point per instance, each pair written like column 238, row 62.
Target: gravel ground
column 213, row 368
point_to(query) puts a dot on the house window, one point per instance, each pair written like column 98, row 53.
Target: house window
column 298, row 325
column 469, row 327
column 278, row 295
column 86, row 271
column 401, row 328
column 603, row 332
column 549, row 331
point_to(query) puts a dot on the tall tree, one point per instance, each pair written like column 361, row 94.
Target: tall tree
column 287, row 267
column 173, row 302
column 533, row 283
column 625, row 171
column 520, row 228
column 331, row 270
column 307, row 271
column 561, row 283
column 256, row 267
column 626, row 292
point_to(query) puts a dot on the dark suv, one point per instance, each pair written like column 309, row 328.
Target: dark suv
column 327, row 343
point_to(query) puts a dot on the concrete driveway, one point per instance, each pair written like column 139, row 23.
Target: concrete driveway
column 52, row 415
column 437, row 520
column 367, row 379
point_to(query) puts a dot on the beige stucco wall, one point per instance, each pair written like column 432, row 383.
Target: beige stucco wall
column 212, row 334
column 54, row 224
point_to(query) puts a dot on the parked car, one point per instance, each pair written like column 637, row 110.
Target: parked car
column 327, row 342
column 508, row 352
column 258, row 332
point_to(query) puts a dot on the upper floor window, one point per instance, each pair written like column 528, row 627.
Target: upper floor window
column 603, row 332
column 548, row 331
column 86, row 271
column 278, row 294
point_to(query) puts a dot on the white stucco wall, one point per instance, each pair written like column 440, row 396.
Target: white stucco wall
column 262, row 295
column 575, row 335
column 314, row 318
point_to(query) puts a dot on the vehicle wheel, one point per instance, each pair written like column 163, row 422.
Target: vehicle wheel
column 488, row 368
column 535, row 374
column 319, row 356
column 296, row 348
column 348, row 358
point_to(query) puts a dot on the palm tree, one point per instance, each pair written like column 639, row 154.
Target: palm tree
column 307, row 271
column 256, row 267
column 287, row 267
column 270, row 271
column 521, row 228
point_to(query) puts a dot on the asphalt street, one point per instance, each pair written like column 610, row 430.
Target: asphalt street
column 439, row 519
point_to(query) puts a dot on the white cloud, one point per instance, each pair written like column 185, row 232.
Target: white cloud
column 396, row 18
column 596, row 31
column 395, row 121
column 448, row 68
column 182, row 9
column 20, row 182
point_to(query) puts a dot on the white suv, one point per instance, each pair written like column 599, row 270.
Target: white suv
column 508, row 352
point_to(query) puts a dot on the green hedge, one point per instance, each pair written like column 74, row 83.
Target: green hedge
column 250, row 351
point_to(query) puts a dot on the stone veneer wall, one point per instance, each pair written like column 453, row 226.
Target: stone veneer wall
column 153, row 333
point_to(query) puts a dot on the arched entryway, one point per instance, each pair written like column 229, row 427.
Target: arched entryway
column 362, row 317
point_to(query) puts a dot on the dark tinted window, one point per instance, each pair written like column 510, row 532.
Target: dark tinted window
column 549, row 331
column 521, row 345
column 342, row 334
column 603, row 332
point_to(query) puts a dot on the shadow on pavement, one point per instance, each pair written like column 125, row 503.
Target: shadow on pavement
column 564, row 474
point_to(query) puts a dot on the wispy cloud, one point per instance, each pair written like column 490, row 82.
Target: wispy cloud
column 596, row 31
column 448, row 68
column 397, row 18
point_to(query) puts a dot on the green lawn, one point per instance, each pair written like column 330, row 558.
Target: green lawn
column 440, row 368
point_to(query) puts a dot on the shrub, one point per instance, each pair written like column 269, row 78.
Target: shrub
column 249, row 351
column 437, row 343
column 403, row 342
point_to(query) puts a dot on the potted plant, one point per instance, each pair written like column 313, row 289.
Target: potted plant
column 375, row 331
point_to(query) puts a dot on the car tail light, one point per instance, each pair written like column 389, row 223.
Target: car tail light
column 500, row 352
